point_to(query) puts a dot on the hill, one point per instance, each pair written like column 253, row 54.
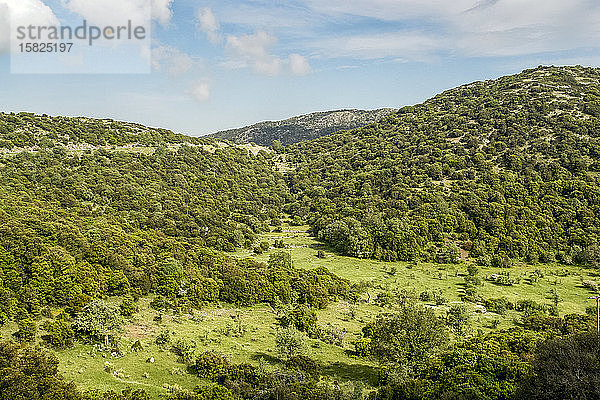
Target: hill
column 30, row 131
column 305, row 127
column 192, row 258
column 497, row 169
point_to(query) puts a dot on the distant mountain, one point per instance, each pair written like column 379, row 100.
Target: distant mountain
column 305, row 127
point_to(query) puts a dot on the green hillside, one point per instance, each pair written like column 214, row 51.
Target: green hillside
column 26, row 130
column 497, row 169
column 445, row 252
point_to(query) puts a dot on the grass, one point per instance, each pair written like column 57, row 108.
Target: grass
column 214, row 328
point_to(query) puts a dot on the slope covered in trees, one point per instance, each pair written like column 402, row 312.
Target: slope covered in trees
column 95, row 235
column 502, row 169
column 26, row 130
column 305, row 127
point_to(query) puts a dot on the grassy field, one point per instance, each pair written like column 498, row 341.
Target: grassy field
column 248, row 334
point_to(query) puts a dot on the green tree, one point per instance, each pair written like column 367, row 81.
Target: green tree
column 566, row 368
column 458, row 318
column 290, row 342
column 28, row 373
column 407, row 336
column 27, row 330
column 128, row 306
column 59, row 333
column 98, row 320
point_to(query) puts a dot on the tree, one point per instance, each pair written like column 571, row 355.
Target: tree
column 28, row 373
column 566, row 368
column 277, row 146
column 208, row 391
column 458, row 318
column 290, row 342
column 27, row 330
column 59, row 333
column 98, row 320
column 303, row 318
column 406, row 336
column 128, row 306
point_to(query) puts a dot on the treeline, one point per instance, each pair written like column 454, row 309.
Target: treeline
column 75, row 226
column 506, row 167
column 30, row 130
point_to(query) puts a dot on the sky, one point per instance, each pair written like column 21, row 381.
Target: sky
column 220, row 64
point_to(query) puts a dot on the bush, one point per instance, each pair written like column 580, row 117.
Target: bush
column 163, row 338
column 204, row 392
column 458, row 318
column 128, row 306
column 59, row 334
column 363, row 348
column 185, row 350
column 304, row 364
column 329, row 334
column 303, row 318
column 499, row 306
column 566, row 368
column 290, row 342
column 27, row 330
column 211, row 365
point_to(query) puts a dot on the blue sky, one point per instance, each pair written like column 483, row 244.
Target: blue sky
column 224, row 63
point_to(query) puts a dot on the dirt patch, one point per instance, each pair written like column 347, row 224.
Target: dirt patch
column 139, row 331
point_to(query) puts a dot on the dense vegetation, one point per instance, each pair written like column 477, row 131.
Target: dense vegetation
column 26, row 130
column 305, row 127
column 500, row 169
column 92, row 230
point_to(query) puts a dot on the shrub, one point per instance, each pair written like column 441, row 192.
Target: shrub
column 363, row 348
column 290, row 342
column 128, row 306
column 27, row 330
column 211, row 365
column 163, row 338
column 458, row 318
column 303, row 318
column 59, row 334
column 304, row 364
column 329, row 334
column 185, row 350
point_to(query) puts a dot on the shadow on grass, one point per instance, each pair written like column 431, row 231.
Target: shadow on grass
column 266, row 357
column 351, row 372
column 338, row 370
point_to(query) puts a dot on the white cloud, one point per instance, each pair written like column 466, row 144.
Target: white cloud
column 393, row 10
column 415, row 46
column 113, row 12
column 476, row 28
column 161, row 11
column 199, row 90
column 298, row 64
column 22, row 12
column 208, row 23
column 171, row 60
column 253, row 51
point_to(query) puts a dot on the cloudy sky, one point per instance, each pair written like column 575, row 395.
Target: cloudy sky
column 220, row 64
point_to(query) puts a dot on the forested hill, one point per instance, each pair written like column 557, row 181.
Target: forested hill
column 502, row 169
column 26, row 130
column 305, row 127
